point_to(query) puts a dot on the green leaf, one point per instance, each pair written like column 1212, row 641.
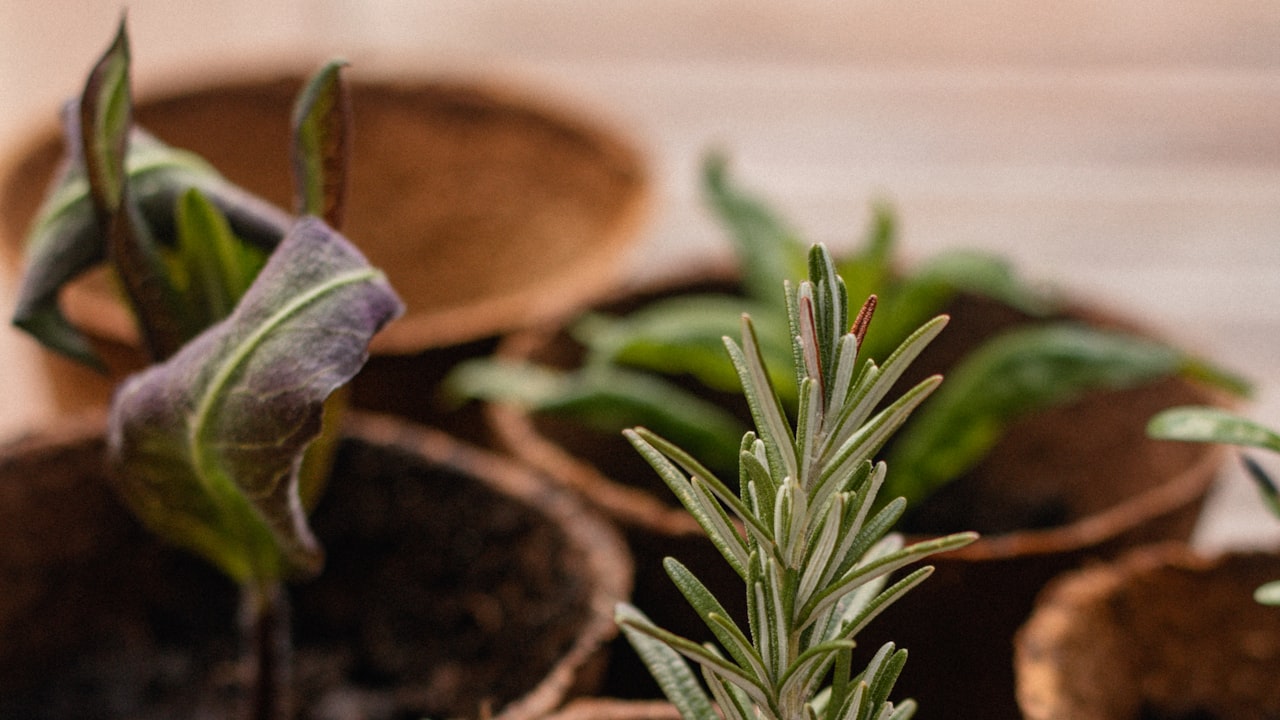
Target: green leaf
column 69, row 236
column 707, row 606
column 913, row 298
column 205, row 448
column 220, row 268
column 106, row 115
column 680, row 335
column 1018, row 372
column 768, row 252
column 671, row 671
column 608, row 399
column 321, row 144
column 869, row 270
column 1268, row 594
column 106, row 118
column 1212, row 425
column 709, row 515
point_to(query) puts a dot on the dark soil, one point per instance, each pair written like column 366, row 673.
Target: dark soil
column 439, row 597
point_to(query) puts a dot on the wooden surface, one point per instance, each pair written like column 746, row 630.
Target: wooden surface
column 1128, row 152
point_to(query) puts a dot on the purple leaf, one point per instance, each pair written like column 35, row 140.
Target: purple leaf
column 206, row 446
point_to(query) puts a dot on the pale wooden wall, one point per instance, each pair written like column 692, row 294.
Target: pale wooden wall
column 1126, row 150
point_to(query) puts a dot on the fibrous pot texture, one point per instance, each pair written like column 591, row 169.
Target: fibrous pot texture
column 1161, row 634
column 457, row 584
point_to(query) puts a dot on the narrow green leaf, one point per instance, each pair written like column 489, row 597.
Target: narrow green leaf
column 733, row 702
column 670, row 670
column 870, row 437
column 881, row 566
column 704, row 656
column 682, row 335
column 106, row 116
column 931, row 285
column 886, row 676
column 767, row 251
column 707, row 517
column 864, row 395
column 771, row 421
column 220, row 267
column 858, row 615
column 696, row 469
column 1212, row 425
column 1016, row 373
column 321, row 144
column 1268, row 594
column 205, row 448
column 869, row 270
column 808, row 669
column 706, row 605
column 608, row 399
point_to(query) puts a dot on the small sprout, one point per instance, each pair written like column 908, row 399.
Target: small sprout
column 253, row 319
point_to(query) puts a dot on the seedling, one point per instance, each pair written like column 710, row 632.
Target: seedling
column 814, row 554
column 630, row 361
column 1215, row 425
column 182, row 243
column 250, row 339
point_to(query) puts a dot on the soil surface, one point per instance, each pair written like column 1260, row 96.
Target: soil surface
column 439, row 597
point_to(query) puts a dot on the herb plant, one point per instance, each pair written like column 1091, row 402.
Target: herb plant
column 630, row 361
column 1215, row 425
column 814, row 554
column 251, row 340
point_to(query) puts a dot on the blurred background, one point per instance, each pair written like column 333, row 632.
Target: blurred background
column 1127, row 152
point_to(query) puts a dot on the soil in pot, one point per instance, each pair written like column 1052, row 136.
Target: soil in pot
column 1160, row 634
column 488, row 210
column 456, row 584
column 1064, row 485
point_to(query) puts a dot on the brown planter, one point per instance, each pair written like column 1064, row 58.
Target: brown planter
column 488, row 210
column 1074, row 483
column 1160, row 634
column 457, row 584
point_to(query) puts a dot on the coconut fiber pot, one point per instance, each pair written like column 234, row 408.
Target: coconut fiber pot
column 457, row 584
column 1161, row 634
column 487, row 209
column 1065, row 485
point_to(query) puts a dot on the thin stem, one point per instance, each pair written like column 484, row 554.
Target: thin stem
column 264, row 623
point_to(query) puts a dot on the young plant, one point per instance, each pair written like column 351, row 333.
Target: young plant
column 813, row 553
column 206, row 446
column 629, row 361
column 1215, row 425
column 182, row 243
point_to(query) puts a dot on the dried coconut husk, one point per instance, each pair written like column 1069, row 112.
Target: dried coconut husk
column 487, row 208
column 1160, row 634
column 1063, row 486
column 457, row 584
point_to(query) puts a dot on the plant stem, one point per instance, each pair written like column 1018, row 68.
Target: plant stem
column 264, row 622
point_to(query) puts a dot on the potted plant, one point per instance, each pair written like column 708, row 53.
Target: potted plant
column 814, row 552
column 1164, row 632
column 512, row 207
column 1037, row 382
column 206, row 446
